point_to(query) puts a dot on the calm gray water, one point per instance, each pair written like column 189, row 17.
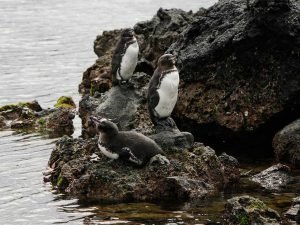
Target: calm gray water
column 44, row 48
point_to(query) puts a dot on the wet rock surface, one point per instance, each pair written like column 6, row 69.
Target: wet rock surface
column 249, row 210
column 193, row 174
column 274, row 178
column 30, row 117
column 286, row 144
column 294, row 211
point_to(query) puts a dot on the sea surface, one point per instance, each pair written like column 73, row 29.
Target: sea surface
column 45, row 46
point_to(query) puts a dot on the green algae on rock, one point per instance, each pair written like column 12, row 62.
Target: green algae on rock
column 247, row 210
column 30, row 117
column 65, row 102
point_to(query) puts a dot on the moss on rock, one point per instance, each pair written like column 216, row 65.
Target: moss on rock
column 65, row 102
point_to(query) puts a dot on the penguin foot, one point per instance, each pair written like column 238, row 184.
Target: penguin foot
column 127, row 155
column 126, row 84
column 167, row 124
column 94, row 158
column 159, row 160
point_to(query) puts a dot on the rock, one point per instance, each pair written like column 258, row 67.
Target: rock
column 65, row 102
column 184, row 188
column 192, row 174
column 59, row 123
column 156, row 35
column 294, row 211
column 159, row 160
column 274, row 178
column 173, row 141
column 230, row 164
column 2, row 122
column 30, row 117
column 248, row 210
column 286, row 144
column 120, row 104
column 239, row 71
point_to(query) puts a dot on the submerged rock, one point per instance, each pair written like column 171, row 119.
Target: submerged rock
column 30, row 117
column 294, row 211
column 286, row 144
column 274, row 178
column 247, row 210
column 193, row 174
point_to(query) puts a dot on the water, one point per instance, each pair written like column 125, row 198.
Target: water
column 44, row 48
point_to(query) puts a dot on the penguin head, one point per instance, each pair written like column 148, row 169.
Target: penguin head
column 128, row 33
column 167, row 61
column 105, row 126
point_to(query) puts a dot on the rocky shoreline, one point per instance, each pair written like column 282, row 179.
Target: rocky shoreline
column 239, row 90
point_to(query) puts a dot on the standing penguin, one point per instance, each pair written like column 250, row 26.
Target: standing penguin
column 128, row 146
column 125, row 57
column 163, row 91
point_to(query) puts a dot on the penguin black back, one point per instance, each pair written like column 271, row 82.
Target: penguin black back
column 114, row 143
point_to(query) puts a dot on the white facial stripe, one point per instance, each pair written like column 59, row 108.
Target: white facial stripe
column 108, row 153
column 103, row 119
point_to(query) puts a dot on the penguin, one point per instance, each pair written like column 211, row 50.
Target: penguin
column 128, row 146
column 125, row 57
column 163, row 91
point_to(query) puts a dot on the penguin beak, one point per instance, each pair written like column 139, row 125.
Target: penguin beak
column 174, row 58
column 95, row 120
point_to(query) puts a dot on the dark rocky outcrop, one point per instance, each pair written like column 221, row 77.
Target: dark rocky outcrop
column 274, row 178
column 239, row 82
column 30, row 117
column 246, row 210
column 239, row 71
column 238, row 68
column 193, row 174
column 156, row 35
column 286, row 144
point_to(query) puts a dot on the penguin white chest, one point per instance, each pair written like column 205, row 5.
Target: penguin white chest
column 129, row 61
column 168, row 92
column 105, row 151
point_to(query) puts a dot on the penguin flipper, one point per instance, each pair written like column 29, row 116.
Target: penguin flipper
column 126, row 154
column 116, row 60
column 153, row 100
